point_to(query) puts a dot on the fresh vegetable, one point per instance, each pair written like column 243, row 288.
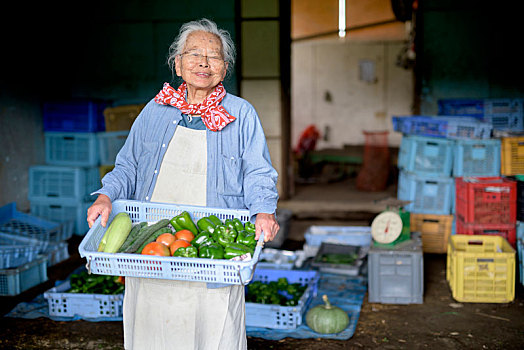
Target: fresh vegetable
column 206, row 225
column 203, row 238
column 279, row 292
column 166, row 238
column 187, row 252
column 335, row 258
column 179, row 243
column 224, row 235
column 327, row 318
column 156, row 248
column 153, row 237
column 249, row 227
column 86, row 283
column 233, row 250
column 211, row 251
column 215, row 220
column 183, row 221
column 235, row 223
column 185, row 234
column 116, row 234
column 133, row 235
column 144, row 235
column 246, row 238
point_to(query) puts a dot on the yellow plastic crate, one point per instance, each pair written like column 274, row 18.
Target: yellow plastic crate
column 121, row 118
column 481, row 269
column 512, row 155
column 434, row 229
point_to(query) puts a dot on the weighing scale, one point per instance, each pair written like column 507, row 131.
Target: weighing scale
column 390, row 227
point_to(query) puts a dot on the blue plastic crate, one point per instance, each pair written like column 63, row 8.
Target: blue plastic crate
column 49, row 181
column 17, row 280
column 462, row 107
column 21, row 224
column 427, row 155
column 109, row 144
column 74, row 116
column 442, row 126
column 71, row 149
column 505, row 114
column 63, row 211
column 282, row 317
column 476, row 158
column 427, row 194
column 17, row 250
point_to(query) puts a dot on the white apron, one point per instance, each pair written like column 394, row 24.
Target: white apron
column 165, row 314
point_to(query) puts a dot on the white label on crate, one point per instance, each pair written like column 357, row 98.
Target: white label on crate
column 497, row 189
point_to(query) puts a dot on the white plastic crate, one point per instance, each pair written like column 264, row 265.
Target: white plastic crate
column 428, row 155
column 19, row 279
column 213, row 271
column 109, row 144
column 63, row 211
column 396, row 274
column 276, row 259
column 427, row 194
column 18, row 250
column 56, row 253
column 85, row 306
column 71, row 149
column 282, row 317
column 48, row 181
column 476, row 158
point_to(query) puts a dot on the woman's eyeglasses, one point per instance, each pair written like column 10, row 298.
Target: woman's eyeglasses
column 194, row 57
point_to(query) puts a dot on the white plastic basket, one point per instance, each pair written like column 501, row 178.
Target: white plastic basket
column 212, row 271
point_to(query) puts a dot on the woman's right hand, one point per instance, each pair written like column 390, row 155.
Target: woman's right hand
column 101, row 207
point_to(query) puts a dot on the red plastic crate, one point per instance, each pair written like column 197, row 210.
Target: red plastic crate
column 508, row 231
column 486, row 200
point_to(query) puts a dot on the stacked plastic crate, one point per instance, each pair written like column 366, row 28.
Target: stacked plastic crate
column 118, row 122
column 485, row 200
column 429, row 158
column 60, row 190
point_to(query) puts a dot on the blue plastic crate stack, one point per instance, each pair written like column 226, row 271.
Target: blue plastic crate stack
column 459, row 142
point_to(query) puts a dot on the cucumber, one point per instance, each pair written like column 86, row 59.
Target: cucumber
column 145, row 233
column 153, row 237
column 135, row 231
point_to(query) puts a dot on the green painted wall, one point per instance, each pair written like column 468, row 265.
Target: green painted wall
column 469, row 49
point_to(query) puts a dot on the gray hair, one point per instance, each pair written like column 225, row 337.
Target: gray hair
column 202, row 25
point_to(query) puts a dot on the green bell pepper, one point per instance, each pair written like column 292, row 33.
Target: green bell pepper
column 215, row 220
column 206, row 225
column 249, row 227
column 183, row 221
column 246, row 238
column 211, row 251
column 187, row 252
column 224, row 235
column 235, row 224
column 202, row 239
column 236, row 249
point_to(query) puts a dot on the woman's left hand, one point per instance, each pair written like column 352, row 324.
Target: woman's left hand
column 268, row 224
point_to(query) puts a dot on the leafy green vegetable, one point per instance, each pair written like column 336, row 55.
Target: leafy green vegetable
column 279, row 292
column 95, row 284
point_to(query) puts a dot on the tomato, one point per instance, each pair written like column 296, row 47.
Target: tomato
column 185, row 234
column 179, row 243
column 166, row 239
column 155, row 248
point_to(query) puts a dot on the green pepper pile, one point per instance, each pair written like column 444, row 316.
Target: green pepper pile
column 215, row 239
column 95, row 284
column 279, row 292
column 334, row 258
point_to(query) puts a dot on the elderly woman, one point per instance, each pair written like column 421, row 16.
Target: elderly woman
column 194, row 145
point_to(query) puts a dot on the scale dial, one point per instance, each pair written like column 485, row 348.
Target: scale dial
column 386, row 227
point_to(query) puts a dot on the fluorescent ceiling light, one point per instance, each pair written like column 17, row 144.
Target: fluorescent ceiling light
column 341, row 18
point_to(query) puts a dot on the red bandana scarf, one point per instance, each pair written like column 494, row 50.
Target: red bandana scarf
column 214, row 116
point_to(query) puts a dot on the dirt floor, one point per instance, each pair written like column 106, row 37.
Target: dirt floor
column 439, row 323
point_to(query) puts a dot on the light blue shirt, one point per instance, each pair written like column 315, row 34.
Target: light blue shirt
column 239, row 170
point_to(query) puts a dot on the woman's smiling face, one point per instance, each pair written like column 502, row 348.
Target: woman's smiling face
column 201, row 65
